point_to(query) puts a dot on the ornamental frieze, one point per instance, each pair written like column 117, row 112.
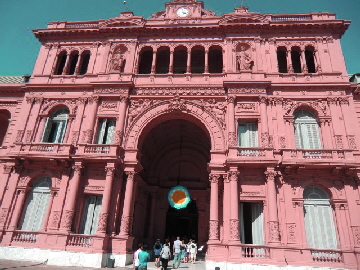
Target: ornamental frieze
column 111, row 90
column 246, row 107
column 183, row 91
column 320, row 106
column 246, row 90
column 109, row 106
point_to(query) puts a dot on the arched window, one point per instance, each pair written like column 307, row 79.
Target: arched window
column 319, row 221
column 146, row 57
column 198, row 60
column 281, row 58
column 4, row 124
column 180, row 60
column 85, row 58
column 306, row 130
column 295, row 59
column 74, row 57
column 55, row 127
column 61, row 63
column 309, row 58
column 162, row 61
column 215, row 60
column 36, row 205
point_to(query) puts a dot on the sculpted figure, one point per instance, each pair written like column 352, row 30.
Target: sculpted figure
column 117, row 62
column 243, row 59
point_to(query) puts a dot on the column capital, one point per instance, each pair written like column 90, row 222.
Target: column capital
column 131, row 175
column 214, row 178
column 270, row 175
column 7, row 169
column 262, row 99
column 233, row 175
column 110, row 171
column 77, row 168
column 230, row 99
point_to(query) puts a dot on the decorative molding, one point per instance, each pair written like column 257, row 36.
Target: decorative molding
column 179, row 91
column 356, row 233
column 319, row 105
column 7, row 169
column 3, row 215
column 110, row 171
column 246, row 90
column 109, row 106
column 352, row 142
column 111, row 90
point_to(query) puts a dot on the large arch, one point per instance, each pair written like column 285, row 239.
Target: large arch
column 175, row 109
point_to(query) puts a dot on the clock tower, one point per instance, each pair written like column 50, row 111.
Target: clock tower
column 183, row 9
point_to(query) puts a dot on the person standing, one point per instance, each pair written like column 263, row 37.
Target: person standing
column 193, row 251
column 177, row 252
column 144, row 258
column 165, row 255
column 136, row 257
column 157, row 249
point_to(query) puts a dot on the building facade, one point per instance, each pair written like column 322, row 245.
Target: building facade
column 252, row 113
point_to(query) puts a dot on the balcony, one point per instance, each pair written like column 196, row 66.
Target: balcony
column 251, row 154
column 318, row 156
column 39, row 149
column 98, row 151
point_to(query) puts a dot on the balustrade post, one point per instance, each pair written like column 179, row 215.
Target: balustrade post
column 103, row 218
column 274, row 230
column 214, row 208
column 126, row 219
column 68, row 215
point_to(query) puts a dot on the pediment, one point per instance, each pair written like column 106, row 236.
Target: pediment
column 123, row 21
column 239, row 19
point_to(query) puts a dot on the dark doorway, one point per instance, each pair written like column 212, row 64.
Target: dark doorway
column 182, row 222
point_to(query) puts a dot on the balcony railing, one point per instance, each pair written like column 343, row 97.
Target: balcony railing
column 317, row 154
column 40, row 148
column 253, row 251
column 96, row 149
column 326, row 256
column 251, row 152
column 281, row 18
column 79, row 241
column 24, row 237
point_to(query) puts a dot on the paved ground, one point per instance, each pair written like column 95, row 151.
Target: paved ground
column 14, row 265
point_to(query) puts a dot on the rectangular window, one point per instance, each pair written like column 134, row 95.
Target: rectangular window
column 251, row 223
column 106, row 130
column 91, row 214
column 248, row 134
column 54, row 131
column 307, row 136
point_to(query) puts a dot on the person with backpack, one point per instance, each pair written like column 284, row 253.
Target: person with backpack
column 157, row 249
column 165, row 256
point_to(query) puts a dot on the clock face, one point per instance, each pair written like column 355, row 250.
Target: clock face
column 182, row 12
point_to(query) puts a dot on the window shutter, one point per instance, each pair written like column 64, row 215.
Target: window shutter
column 242, row 135
column 257, row 224
column 253, row 136
column 313, row 134
column 26, row 219
column 101, row 131
column 110, row 131
column 46, row 131
column 88, row 214
column 60, row 131
column 297, row 131
column 96, row 215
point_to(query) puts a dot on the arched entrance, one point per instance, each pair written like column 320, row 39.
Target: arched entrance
column 174, row 152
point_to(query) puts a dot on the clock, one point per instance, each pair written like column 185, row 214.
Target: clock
column 182, row 12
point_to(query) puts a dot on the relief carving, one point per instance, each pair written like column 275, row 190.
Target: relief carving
column 291, row 230
column 125, row 225
column 243, row 59
column 274, row 231
column 55, row 219
column 109, row 106
column 214, row 230
column 3, row 215
column 67, row 220
column 356, row 232
column 234, row 229
column 232, row 139
column 102, row 222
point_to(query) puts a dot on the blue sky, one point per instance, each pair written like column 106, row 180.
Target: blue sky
column 19, row 47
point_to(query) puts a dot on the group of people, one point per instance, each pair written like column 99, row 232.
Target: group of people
column 182, row 253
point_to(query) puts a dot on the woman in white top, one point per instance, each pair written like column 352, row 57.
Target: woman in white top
column 165, row 255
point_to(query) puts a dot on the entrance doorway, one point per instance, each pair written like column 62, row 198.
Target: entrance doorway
column 182, row 222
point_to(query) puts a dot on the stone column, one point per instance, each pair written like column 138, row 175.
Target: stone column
column 48, row 211
column 214, row 207
column 119, row 134
column 68, row 214
column 304, row 68
column 7, row 169
column 206, row 70
column 21, row 195
column 126, row 219
column 264, row 122
column 90, row 115
column 274, row 231
column 171, row 64
column 153, row 64
column 226, row 209
column 233, row 175
column 188, row 61
column 231, row 121
column 290, row 68
column 103, row 218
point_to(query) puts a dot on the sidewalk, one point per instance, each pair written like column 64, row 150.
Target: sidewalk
column 25, row 265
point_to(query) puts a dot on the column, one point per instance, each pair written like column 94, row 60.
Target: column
column 233, row 175
column 206, row 61
column 304, row 68
column 32, row 119
column 327, row 134
column 21, row 194
column 153, row 64
column 188, row 61
column 290, row 68
column 171, row 64
column 119, row 134
column 214, row 207
column 48, row 211
column 274, row 232
column 126, row 218
column 226, row 209
column 68, row 214
column 103, row 218
column 264, row 122
column 231, row 121
column 103, row 53
column 259, row 54
column 90, row 114
column 350, row 128
column 4, row 180
column 77, row 121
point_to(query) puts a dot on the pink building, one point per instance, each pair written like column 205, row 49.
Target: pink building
column 253, row 113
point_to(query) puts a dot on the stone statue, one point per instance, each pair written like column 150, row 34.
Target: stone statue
column 243, row 59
